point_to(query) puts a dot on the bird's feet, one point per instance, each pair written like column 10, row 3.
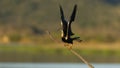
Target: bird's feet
column 68, row 46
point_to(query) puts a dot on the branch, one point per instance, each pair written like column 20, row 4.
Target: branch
column 80, row 57
column 74, row 52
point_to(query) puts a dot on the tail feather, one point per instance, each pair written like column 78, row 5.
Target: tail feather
column 77, row 39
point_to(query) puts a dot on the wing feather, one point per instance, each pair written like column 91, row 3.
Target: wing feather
column 63, row 23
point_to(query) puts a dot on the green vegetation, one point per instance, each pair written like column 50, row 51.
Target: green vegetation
column 23, row 24
column 15, row 37
column 35, row 53
column 96, row 19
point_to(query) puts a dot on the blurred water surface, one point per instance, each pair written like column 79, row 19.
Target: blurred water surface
column 57, row 65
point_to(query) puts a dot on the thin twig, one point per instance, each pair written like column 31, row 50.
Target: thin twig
column 52, row 37
column 74, row 52
column 80, row 57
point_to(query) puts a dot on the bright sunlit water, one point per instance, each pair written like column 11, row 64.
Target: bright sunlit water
column 56, row 65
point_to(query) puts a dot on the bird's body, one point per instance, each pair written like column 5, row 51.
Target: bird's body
column 66, row 27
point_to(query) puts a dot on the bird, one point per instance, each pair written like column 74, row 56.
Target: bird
column 66, row 32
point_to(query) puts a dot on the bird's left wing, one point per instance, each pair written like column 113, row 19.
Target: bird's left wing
column 64, row 23
column 62, row 14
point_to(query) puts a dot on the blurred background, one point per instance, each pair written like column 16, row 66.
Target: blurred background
column 23, row 26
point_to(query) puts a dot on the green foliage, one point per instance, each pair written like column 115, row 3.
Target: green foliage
column 15, row 37
column 35, row 53
column 95, row 15
column 107, row 38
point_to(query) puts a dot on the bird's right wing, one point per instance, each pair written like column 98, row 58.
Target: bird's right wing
column 72, row 18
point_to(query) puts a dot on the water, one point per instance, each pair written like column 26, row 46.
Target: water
column 56, row 65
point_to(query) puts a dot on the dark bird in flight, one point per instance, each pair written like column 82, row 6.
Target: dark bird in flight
column 66, row 27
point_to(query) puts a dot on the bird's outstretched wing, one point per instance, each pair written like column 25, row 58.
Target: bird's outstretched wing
column 62, row 13
column 72, row 18
column 63, row 23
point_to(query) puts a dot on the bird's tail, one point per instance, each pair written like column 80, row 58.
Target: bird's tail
column 77, row 39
